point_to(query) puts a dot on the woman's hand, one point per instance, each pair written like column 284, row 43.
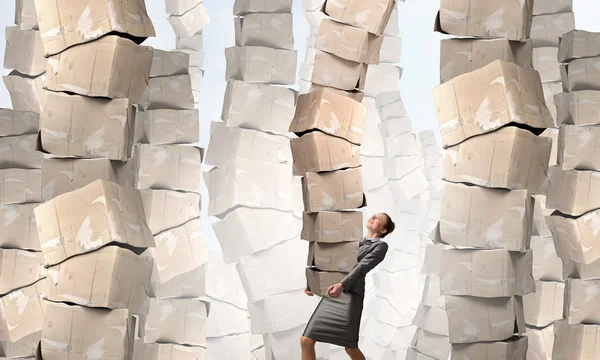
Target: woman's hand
column 308, row 292
column 335, row 290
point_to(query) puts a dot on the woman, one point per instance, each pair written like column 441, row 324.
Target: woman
column 337, row 317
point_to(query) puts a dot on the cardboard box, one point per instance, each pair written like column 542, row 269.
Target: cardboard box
column 540, row 212
column 540, row 342
column 402, row 145
column 431, row 319
column 475, row 319
column 157, row 351
column 258, row 106
column 170, row 167
column 575, row 238
column 179, row 321
column 14, row 122
column 265, row 29
column 111, row 277
column 319, row 281
column 582, row 300
column 332, row 227
column 318, row 152
column 431, row 293
column 544, row 7
column 339, row 257
column 433, row 345
column 169, row 63
column 244, row 7
column 75, row 223
column 550, row 92
column 391, row 50
column 396, row 127
column 547, row 266
column 489, row 98
column 311, row 5
column 513, row 348
column 24, row 51
column 545, row 306
column 400, row 166
column 25, row 14
column 19, row 227
column 273, row 314
column 329, row 70
column 164, row 126
column 67, row 331
column 371, row 16
column 577, row 147
column 180, row 7
column 166, row 209
column 413, row 354
column 577, row 44
column 486, row 273
column 546, row 30
column 409, row 186
column 191, row 22
column 393, row 26
column 481, row 19
column 348, row 42
column 225, row 320
column 463, row 55
column 19, row 152
column 19, row 268
column 484, row 218
column 112, row 67
column 330, row 112
column 237, row 346
column 575, row 270
column 224, row 284
column 261, row 64
column 22, row 312
column 171, row 92
column 552, row 133
column 194, row 42
column 390, row 105
column 332, row 191
column 580, row 74
column 26, row 93
column 80, row 23
column 578, row 107
column 544, row 62
column 373, row 176
column 493, row 160
column 241, row 182
column 24, row 348
column 20, row 186
column 575, row 341
column 189, row 285
column 571, row 191
column 314, row 19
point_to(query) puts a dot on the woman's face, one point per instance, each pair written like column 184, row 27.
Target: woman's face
column 376, row 223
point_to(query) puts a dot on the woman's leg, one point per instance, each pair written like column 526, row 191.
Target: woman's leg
column 354, row 353
column 308, row 348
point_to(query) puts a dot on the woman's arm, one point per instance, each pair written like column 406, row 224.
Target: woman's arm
column 367, row 264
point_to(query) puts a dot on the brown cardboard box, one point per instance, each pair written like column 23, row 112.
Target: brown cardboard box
column 178, row 321
column 169, row 63
column 463, row 55
column 67, row 333
column 111, row 277
column 24, row 51
column 261, row 64
column 348, row 42
column 489, row 98
column 19, row 229
column 486, row 273
column 540, row 227
column 580, row 74
column 484, row 218
column 575, row 341
column 22, row 312
column 112, row 67
column 575, row 270
column 244, row 7
column 540, row 342
column 166, row 209
column 170, row 92
column 167, row 167
column 339, row 257
column 577, row 147
column 25, row 14
column 578, row 107
column 432, row 319
column 19, row 152
column 546, row 30
column 332, row 227
column 189, row 285
column 317, row 152
column 545, row 306
column 497, row 160
column 577, row 44
column 552, row 133
column 513, row 348
column 372, row 16
column 89, row 218
column 329, row 70
column 24, row 348
column 26, row 93
column 582, row 301
column 547, row 266
column 19, row 268
column 436, row 346
column 474, row 319
column 544, row 62
column 14, row 122
column 319, row 281
column 330, row 112
column 156, row 351
column 20, row 186
column 487, row 19
column 550, row 92
column 191, row 22
column 164, row 126
column 576, row 238
column 265, row 29
column 194, row 42
column 543, row 7
column 573, row 192
column 65, row 23
column 431, row 293
column 391, row 50
column 332, row 191
column 353, row 94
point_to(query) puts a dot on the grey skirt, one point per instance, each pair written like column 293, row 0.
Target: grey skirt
column 336, row 321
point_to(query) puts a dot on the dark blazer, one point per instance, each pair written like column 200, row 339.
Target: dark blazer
column 370, row 254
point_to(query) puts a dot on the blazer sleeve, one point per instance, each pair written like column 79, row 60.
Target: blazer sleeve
column 367, row 264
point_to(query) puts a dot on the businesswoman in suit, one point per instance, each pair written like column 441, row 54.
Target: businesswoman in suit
column 336, row 319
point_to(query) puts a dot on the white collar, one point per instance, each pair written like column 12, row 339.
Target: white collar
column 373, row 239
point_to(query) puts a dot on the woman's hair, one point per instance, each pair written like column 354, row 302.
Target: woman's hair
column 389, row 226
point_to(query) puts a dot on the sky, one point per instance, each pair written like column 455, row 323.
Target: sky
column 420, row 59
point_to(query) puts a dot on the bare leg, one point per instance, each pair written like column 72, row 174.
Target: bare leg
column 355, row 354
column 308, row 348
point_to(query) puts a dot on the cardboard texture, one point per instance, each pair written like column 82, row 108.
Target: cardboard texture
column 112, row 67
column 169, row 63
column 431, row 293
column 79, row 126
column 258, row 106
column 318, row 152
column 496, row 19
column 273, row 313
column 400, row 166
column 547, row 266
column 540, row 211
column 396, row 127
column 19, row 230
column 244, row 7
column 413, row 354
column 339, row 257
column 433, row 345
column 25, row 15
column 179, row 321
column 582, row 299
column 391, row 50
column 431, row 319
column 575, row 238
column 330, row 112
column 226, row 319
column 156, row 351
column 486, row 273
column 572, row 192
column 373, row 174
column 544, row 61
column 489, row 98
column 164, row 126
column 26, row 93
column 543, row 7
column 332, row 191
column 261, row 64
column 19, row 268
column 545, row 306
column 578, row 107
column 170, row 92
column 329, row 70
column 111, row 277
column 189, row 285
column 580, row 74
column 319, row 281
column 577, row 147
column 191, row 22
column 22, row 312
column 166, row 209
column 67, row 333
column 575, row 341
column 265, row 29
column 371, row 16
column 24, row 51
column 225, row 285
column 550, row 92
column 194, row 42
column 14, row 122
column 88, row 218
column 540, row 342
column 496, row 160
column 180, row 7
column 167, row 167
column 19, row 186
column 19, row 152
column 382, row 78
column 349, row 42
column 314, row 19
column 575, row 270
column 332, row 227
column 546, row 30
column 483, row 218
column 552, row 133
column 473, row 319
column 82, row 22
column 461, row 56
column 24, row 348
column 577, row 44
column 513, row 348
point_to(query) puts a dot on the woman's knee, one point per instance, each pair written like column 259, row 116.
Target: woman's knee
column 307, row 342
column 352, row 351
